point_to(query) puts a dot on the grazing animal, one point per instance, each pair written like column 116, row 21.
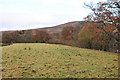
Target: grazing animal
column 29, row 48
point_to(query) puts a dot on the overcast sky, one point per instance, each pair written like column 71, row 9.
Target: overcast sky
column 30, row 14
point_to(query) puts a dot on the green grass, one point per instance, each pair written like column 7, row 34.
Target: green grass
column 57, row 61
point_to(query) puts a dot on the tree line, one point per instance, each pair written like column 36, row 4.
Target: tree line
column 25, row 36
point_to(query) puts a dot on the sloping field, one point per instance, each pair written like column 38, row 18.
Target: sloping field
column 38, row 60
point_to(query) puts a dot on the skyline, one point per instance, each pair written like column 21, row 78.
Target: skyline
column 31, row 14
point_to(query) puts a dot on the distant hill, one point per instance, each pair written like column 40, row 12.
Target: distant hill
column 57, row 28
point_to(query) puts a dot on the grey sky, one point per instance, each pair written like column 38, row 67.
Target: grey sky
column 30, row 14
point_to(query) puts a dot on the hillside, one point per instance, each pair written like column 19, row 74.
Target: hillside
column 57, row 28
column 38, row 60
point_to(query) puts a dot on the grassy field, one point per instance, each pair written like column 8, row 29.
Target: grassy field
column 38, row 60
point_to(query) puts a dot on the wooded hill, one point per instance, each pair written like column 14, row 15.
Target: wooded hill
column 77, row 33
